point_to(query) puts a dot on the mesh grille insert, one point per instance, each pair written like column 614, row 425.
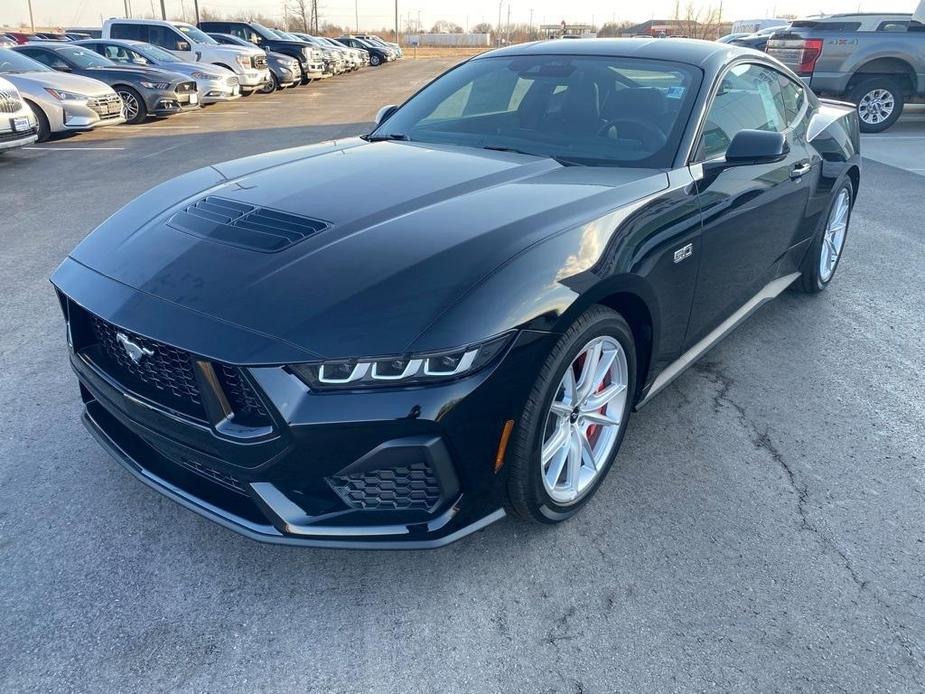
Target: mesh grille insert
column 245, row 226
column 393, row 489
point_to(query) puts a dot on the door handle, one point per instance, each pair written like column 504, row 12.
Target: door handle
column 800, row 169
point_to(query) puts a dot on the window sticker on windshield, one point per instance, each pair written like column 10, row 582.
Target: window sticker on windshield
column 675, row 92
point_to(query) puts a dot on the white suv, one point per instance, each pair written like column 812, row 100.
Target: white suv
column 17, row 123
column 193, row 45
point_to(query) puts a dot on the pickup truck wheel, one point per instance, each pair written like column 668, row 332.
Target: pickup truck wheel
column 879, row 102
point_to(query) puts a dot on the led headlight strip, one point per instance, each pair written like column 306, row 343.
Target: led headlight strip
column 414, row 369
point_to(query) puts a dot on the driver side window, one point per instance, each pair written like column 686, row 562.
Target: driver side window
column 749, row 98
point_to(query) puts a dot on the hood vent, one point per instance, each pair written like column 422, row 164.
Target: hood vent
column 245, row 226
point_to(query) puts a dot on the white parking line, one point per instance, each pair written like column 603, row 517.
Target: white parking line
column 163, row 127
column 77, row 149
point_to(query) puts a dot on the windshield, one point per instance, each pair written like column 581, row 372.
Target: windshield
column 196, row 35
column 598, row 111
column 286, row 35
column 12, row 63
column 84, row 58
column 158, row 54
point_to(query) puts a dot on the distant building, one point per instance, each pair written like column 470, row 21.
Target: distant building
column 555, row 31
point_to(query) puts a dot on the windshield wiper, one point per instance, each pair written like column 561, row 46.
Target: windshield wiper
column 393, row 136
column 559, row 160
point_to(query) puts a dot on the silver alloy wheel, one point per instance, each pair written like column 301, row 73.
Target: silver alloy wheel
column 833, row 240
column 131, row 105
column 584, row 420
column 876, row 106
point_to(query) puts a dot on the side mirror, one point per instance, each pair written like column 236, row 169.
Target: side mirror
column 750, row 147
column 385, row 113
column 182, row 46
column 61, row 66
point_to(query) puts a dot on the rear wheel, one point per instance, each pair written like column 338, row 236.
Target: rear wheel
column 879, row 102
column 44, row 128
column 826, row 250
column 135, row 109
column 574, row 420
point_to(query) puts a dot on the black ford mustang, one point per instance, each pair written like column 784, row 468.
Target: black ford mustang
column 531, row 246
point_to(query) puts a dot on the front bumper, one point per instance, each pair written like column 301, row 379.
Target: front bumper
column 252, row 79
column 81, row 115
column 11, row 140
column 212, row 91
column 398, row 468
column 167, row 103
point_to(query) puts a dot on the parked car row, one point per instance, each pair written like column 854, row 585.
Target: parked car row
column 132, row 69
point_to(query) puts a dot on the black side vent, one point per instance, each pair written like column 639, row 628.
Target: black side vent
column 245, row 226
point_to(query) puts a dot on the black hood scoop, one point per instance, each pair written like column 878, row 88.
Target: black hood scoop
column 245, row 226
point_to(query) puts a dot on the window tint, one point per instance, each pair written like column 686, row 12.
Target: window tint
column 793, row 97
column 593, row 110
column 44, row 57
column 132, row 32
column 749, row 98
column 837, row 26
column 164, row 37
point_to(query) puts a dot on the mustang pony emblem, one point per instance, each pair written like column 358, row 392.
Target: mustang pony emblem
column 134, row 351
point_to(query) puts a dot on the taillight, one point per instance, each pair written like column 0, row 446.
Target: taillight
column 812, row 49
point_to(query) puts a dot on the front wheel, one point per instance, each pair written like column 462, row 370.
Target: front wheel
column 44, row 129
column 375, row 60
column 271, row 85
column 135, row 109
column 879, row 102
column 574, row 420
column 826, row 249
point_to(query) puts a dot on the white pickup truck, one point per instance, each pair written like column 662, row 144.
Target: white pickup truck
column 193, row 45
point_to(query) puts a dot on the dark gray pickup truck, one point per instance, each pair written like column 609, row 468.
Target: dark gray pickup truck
column 876, row 61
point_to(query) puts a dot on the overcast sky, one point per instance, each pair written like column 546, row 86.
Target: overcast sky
column 379, row 13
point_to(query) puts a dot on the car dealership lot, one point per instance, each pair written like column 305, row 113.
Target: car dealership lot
column 762, row 529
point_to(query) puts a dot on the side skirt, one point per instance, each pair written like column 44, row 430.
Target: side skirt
column 679, row 365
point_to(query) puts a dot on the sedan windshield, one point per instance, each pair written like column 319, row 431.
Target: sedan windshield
column 84, row 57
column 592, row 110
column 158, row 55
column 12, row 63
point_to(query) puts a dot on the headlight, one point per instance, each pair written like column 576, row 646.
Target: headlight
column 204, row 76
column 243, row 60
column 155, row 85
column 62, row 95
column 408, row 370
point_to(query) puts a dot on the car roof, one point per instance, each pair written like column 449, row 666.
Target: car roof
column 691, row 51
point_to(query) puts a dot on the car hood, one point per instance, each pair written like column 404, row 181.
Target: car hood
column 133, row 72
column 409, row 230
column 187, row 69
column 59, row 80
column 231, row 51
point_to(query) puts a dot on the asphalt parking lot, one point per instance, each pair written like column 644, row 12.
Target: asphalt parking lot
column 763, row 529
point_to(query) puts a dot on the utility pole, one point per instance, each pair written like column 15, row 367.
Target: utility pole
column 163, row 11
column 396, row 22
column 500, row 5
column 356, row 14
column 196, row 10
column 31, row 19
column 508, row 32
column 531, row 24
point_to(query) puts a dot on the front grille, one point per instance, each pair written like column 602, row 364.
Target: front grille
column 245, row 226
column 392, row 489
column 108, row 106
column 259, row 61
column 163, row 374
column 185, row 87
column 247, row 406
column 9, row 102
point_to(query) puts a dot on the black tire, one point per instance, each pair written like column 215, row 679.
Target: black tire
column 375, row 60
column 40, row 117
column 875, row 123
column 128, row 94
column 247, row 93
column 811, row 280
column 527, row 496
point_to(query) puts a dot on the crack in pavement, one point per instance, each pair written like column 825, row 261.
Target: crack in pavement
column 761, row 440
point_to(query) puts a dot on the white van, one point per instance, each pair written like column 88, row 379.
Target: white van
column 193, row 45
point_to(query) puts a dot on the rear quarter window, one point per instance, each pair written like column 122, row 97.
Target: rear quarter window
column 131, row 32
